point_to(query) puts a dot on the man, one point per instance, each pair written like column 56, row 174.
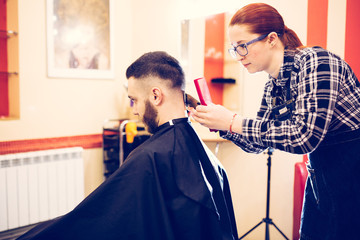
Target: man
column 170, row 187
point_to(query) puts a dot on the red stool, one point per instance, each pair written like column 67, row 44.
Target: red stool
column 299, row 187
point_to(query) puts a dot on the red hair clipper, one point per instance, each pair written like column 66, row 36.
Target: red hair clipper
column 203, row 93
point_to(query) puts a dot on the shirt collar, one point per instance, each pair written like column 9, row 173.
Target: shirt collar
column 172, row 122
column 285, row 69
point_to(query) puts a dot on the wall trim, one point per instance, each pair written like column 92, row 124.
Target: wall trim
column 28, row 145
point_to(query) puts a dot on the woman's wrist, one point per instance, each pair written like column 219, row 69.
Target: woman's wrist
column 231, row 123
column 235, row 125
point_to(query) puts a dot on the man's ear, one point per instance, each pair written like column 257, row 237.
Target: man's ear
column 156, row 96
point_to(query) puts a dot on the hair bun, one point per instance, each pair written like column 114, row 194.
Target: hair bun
column 286, row 29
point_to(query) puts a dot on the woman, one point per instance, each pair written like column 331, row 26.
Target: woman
column 311, row 104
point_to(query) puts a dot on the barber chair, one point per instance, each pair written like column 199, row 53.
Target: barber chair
column 300, row 177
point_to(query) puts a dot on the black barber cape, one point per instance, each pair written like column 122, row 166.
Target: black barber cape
column 158, row 193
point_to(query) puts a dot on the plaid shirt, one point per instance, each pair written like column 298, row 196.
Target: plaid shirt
column 326, row 93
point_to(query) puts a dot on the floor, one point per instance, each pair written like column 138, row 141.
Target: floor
column 14, row 233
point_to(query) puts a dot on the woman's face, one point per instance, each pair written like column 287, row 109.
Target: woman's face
column 258, row 57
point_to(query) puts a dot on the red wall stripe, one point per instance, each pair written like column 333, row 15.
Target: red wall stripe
column 214, row 54
column 85, row 141
column 352, row 35
column 4, row 97
column 317, row 23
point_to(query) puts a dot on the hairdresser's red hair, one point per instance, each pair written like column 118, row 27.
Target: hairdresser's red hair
column 262, row 19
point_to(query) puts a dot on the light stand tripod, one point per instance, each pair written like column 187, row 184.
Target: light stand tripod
column 267, row 220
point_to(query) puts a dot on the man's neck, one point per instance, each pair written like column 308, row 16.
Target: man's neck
column 170, row 112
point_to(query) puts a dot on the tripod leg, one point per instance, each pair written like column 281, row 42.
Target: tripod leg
column 267, row 220
column 279, row 230
column 251, row 229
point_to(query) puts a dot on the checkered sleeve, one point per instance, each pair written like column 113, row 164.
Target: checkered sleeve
column 316, row 90
column 248, row 144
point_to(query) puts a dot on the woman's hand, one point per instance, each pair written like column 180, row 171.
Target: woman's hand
column 212, row 116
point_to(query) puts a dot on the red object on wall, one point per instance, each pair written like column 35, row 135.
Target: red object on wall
column 4, row 95
column 317, row 23
column 214, row 54
column 352, row 35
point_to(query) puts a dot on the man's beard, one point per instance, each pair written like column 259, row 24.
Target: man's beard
column 150, row 117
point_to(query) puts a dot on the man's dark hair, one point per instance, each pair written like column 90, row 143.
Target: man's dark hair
column 158, row 64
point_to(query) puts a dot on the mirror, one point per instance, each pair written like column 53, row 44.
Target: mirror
column 204, row 53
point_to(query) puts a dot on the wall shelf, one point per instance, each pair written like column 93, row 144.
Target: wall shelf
column 7, row 33
column 223, row 80
column 9, row 73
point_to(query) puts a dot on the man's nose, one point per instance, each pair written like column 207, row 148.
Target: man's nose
column 134, row 111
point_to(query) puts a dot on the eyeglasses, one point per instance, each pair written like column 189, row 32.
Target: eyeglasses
column 241, row 49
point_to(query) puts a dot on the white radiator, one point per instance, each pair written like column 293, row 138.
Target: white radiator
column 38, row 186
